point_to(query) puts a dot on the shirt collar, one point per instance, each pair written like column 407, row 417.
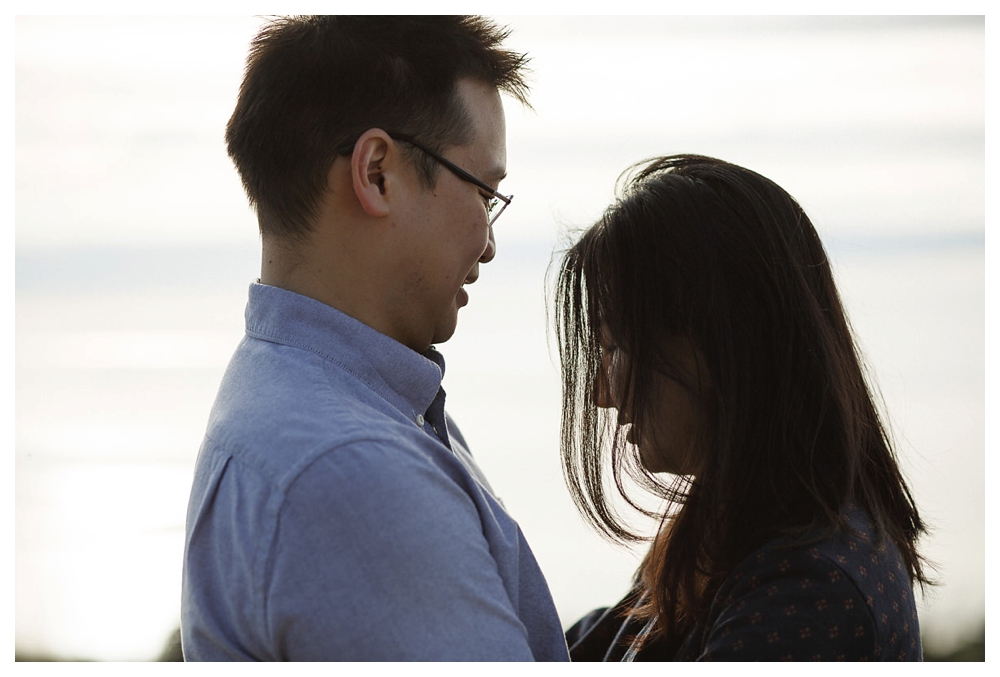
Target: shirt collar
column 406, row 379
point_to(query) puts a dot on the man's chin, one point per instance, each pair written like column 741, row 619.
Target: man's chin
column 445, row 332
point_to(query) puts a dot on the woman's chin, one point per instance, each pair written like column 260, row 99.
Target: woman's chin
column 651, row 461
column 658, row 462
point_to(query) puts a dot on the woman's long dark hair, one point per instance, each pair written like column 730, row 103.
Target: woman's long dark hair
column 704, row 249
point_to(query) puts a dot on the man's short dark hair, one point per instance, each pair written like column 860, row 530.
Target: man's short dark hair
column 314, row 84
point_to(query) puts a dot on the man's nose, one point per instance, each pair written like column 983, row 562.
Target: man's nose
column 491, row 248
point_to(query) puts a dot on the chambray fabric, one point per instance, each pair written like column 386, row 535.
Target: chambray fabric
column 843, row 598
column 336, row 513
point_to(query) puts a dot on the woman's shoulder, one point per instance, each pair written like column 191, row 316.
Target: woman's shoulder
column 854, row 555
column 855, row 551
column 842, row 594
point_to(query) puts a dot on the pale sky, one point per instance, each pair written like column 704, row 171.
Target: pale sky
column 875, row 125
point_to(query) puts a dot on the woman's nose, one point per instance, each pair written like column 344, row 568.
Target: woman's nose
column 602, row 391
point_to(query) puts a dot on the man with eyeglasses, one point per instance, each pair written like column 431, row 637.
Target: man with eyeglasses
column 336, row 513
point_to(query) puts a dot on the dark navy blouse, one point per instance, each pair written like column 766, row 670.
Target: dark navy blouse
column 844, row 598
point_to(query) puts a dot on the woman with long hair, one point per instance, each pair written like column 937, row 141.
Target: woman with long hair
column 707, row 359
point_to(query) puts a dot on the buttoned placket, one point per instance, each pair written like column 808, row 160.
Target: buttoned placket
column 434, row 419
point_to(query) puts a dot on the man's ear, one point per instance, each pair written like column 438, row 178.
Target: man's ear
column 369, row 165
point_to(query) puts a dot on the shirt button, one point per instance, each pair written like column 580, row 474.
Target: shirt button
column 420, row 420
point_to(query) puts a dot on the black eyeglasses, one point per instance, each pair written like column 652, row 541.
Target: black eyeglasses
column 492, row 202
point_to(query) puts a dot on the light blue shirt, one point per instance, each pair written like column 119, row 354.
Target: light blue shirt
column 336, row 513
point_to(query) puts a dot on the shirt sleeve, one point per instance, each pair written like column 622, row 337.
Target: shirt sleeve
column 791, row 605
column 380, row 555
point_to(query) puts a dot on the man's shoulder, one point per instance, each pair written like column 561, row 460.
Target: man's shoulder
column 279, row 408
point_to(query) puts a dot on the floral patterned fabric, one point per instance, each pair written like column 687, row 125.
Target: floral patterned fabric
column 845, row 598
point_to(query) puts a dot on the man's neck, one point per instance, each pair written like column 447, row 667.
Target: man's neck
column 348, row 282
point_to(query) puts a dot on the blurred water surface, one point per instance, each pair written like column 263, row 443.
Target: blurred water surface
column 134, row 249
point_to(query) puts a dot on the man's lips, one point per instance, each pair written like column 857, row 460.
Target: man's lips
column 463, row 296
